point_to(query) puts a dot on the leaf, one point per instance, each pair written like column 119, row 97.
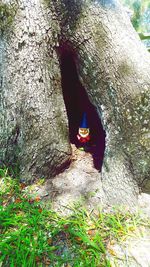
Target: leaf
column 112, row 242
column 22, row 186
column 46, row 261
column 77, row 238
column 91, row 232
column 66, row 226
column 112, row 252
column 81, row 236
column 37, row 199
column 49, row 241
column 37, row 259
column 144, row 36
column 31, row 201
column 18, row 200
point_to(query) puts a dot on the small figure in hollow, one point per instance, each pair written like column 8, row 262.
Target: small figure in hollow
column 83, row 135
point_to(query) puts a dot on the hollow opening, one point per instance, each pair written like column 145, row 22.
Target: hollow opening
column 77, row 102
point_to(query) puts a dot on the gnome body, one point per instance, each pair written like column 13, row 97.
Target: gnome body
column 83, row 135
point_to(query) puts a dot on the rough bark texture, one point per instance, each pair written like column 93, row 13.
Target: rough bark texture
column 113, row 67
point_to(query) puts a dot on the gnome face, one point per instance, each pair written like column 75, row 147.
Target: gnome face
column 84, row 132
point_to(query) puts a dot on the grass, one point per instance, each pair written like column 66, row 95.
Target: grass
column 33, row 235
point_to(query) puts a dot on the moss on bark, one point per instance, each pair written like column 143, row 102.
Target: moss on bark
column 7, row 14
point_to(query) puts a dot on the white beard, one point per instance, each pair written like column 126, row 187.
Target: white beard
column 83, row 135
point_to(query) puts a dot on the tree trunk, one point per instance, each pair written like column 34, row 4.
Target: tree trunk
column 111, row 64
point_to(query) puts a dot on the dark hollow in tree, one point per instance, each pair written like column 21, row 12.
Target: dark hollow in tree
column 77, row 102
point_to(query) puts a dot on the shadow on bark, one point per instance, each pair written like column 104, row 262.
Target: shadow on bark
column 77, row 102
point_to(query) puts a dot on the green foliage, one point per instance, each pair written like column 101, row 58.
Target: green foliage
column 33, row 235
column 137, row 14
column 140, row 18
column 7, row 13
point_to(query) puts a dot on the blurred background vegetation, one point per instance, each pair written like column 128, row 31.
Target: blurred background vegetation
column 139, row 12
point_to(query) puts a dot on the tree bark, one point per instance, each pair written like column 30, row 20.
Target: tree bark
column 112, row 65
